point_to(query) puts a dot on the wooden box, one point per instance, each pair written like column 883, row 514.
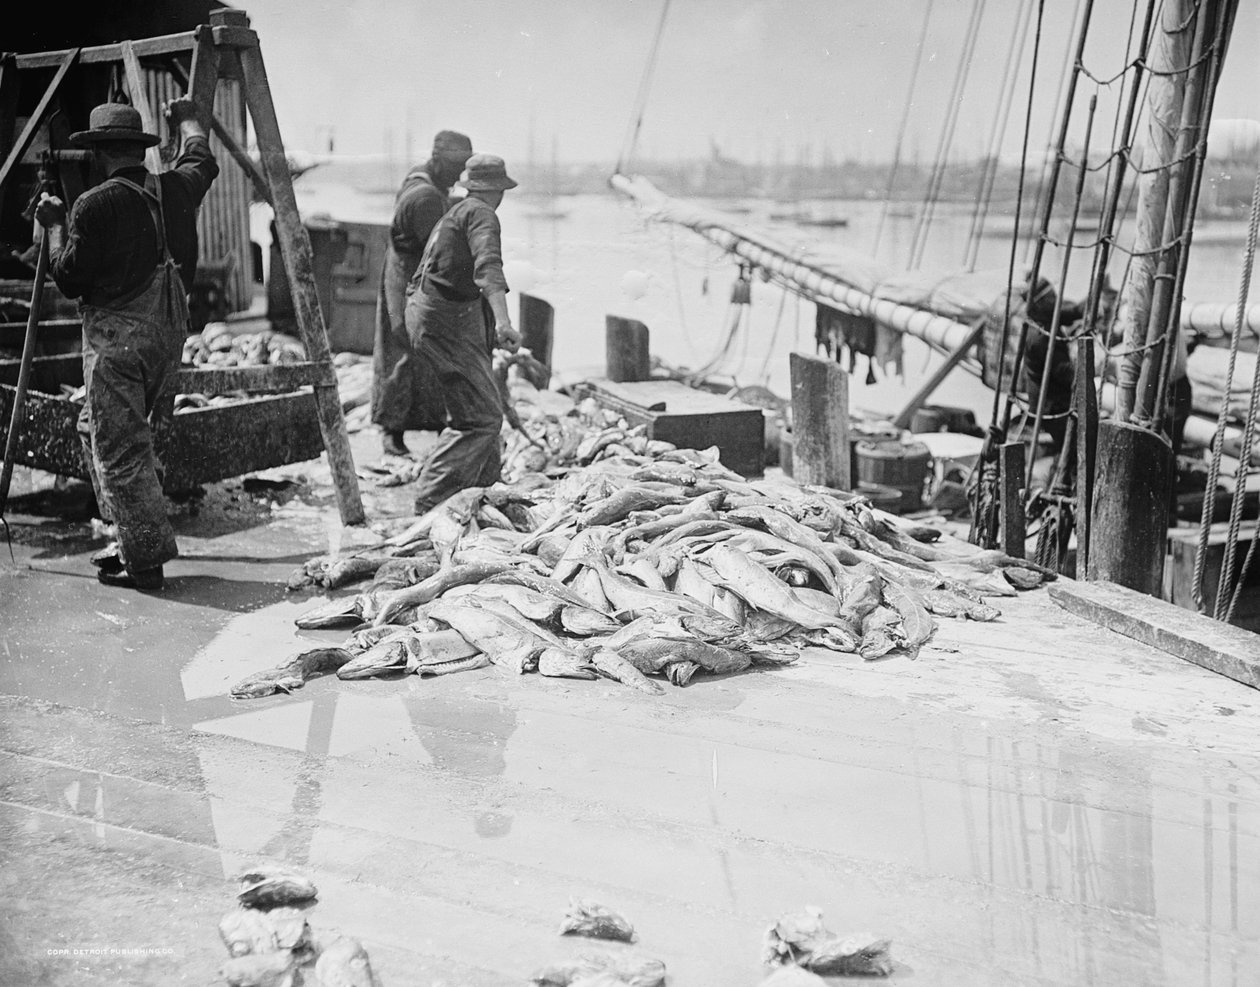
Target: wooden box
column 1179, row 572
column 690, row 419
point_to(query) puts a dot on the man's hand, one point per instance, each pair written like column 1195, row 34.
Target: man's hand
column 507, row 337
column 183, row 110
column 50, row 211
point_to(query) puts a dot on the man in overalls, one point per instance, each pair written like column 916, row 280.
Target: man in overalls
column 405, row 389
column 460, row 277
column 129, row 255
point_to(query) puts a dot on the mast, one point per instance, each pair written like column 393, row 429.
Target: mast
column 1136, row 469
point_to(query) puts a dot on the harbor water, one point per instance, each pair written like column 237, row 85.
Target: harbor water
column 592, row 256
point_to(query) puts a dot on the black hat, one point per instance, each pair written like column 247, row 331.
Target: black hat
column 452, row 145
column 486, row 173
column 114, row 122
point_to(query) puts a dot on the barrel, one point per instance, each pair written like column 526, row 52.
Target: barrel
column 900, row 466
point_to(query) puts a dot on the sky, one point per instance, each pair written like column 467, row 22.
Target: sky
column 762, row 80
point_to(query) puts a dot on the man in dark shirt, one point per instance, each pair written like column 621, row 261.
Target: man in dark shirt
column 462, row 267
column 129, row 256
column 404, row 389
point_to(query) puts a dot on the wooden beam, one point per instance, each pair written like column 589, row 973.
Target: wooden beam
column 167, row 44
column 140, row 100
column 1013, row 530
column 1221, row 648
column 204, row 75
column 820, row 422
column 295, row 249
column 229, row 142
column 8, row 108
column 223, row 380
column 929, row 387
column 37, row 117
column 242, row 158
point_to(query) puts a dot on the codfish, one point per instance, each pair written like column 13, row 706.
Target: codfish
column 335, row 613
column 563, row 663
column 613, row 666
column 589, row 918
column 761, row 590
column 388, row 656
column 584, row 621
column 445, row 666
column 259, row 970
column 265, row 886
column 430, row 589
column 510, row 643
column 651, row 655
column 344, row 963
column 293, row 674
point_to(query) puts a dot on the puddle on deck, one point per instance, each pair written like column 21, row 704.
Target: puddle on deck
column 1062, row 863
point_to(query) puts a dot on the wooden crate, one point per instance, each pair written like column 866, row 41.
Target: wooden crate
column 1179, row 571
column 690, row 419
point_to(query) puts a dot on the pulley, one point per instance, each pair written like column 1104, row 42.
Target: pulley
column 741, row 290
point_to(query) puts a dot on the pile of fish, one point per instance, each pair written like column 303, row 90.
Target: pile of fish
column 640, row 562
column 218, row 346
column 272, row 945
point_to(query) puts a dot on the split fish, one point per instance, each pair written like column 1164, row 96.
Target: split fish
column 293, row 674
column 881, row 633
column 619, row 505
column 652, row 655
column 581, row 621
column 587, row 543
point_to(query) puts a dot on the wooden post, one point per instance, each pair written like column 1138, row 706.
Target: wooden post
column 1128, row 527
column 820, row 422
column 538, row 320
column 920, row 396
column 139, row 99
column 626, row 349
column 1085, row 406
column 295, row 249
column 1013, row 521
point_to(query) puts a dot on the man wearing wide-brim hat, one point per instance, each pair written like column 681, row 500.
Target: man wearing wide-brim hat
column 459, row 277
column 404, row 389
column 129, row 254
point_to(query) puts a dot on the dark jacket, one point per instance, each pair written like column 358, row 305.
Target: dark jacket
column 464, row 256
column 110, row 250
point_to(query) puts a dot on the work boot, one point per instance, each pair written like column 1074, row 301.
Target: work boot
column 392, row 443
column 145, row 580
column 108, row 559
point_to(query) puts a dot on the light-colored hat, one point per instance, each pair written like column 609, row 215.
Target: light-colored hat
column 486, row 173
column 114, row 122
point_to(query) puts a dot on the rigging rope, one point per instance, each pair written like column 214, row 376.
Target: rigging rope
column 984, row 510
column 1066, row 82
column 947, row 135
column 901, row 130
column 1244, row 459
column 988, row 175
column 640, row 101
